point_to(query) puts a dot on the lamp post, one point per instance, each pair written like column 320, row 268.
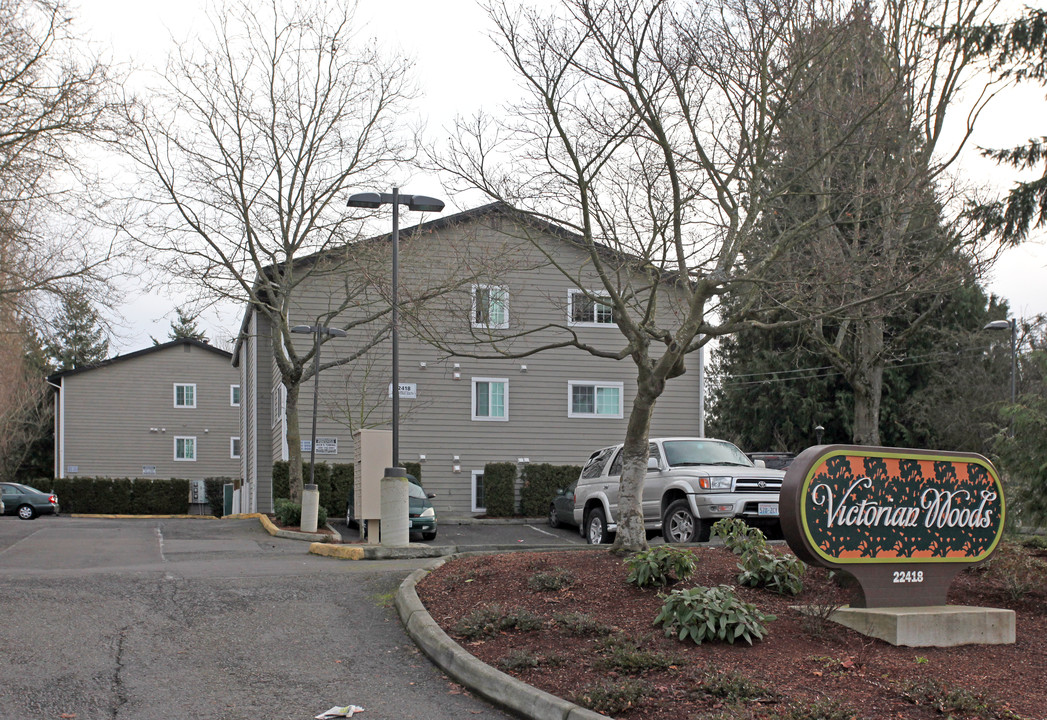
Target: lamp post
column 1011, row 325
column 818, row 431
column 317, row 331
column 418, row 203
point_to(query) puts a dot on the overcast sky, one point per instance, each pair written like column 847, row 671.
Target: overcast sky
column 459, row 71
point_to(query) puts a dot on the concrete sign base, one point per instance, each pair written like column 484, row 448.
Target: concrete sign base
column 931, row 626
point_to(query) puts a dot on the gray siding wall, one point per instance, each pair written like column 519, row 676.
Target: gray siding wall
column 120, row 418
column 255, row 422
column 438, row 424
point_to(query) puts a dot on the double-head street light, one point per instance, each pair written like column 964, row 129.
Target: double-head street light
column 317, row 331
column 1011, row 325
column 418, row 203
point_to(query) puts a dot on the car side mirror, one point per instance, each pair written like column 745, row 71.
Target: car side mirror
column 759, row 463
column 653, row 464
column 430, row 495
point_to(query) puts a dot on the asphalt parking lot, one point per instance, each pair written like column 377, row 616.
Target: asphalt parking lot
column 149, row 619
column 469, row 534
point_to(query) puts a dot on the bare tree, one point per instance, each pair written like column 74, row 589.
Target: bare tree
column 55, row 100
column 248, row 153
column 648, row 129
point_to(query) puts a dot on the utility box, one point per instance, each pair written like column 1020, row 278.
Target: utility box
column 372, row 454
column 198, row 504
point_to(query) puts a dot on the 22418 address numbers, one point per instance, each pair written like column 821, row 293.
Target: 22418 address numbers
column 908, row 576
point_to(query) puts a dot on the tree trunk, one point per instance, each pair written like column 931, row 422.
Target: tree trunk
column 867, row 382
column 632, row 537
column 294, row 443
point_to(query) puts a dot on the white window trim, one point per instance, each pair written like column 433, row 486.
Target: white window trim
column 175, row 393
column 575, row 292
column 594, row 384
column 184, row 437
column 472, row 487
column 233, row 389
column 489, row 326
column 233, row 442
column 488, row 418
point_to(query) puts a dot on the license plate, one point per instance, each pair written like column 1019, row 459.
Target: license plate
column 768, row 509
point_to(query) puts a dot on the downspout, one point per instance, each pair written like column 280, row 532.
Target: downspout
column 59, row 430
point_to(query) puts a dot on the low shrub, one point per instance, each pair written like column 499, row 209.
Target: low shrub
column 827, row 709
column 613, row 697
column 660, row 565
column 558, row 579
column 287, row 513
column 623, row 654
column 500, row 489
column 582, row 624
column 539, row 483
column 764, row 568
column 738, row 535
column 708, row 614
column 734, row 687
column 520, row 660
column 947, row 700
column 493, row 619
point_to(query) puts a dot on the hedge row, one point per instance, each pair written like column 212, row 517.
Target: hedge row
column 334, row 483
column 539, row 484
column 127, row 496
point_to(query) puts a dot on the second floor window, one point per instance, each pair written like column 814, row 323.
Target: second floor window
column 490, row 399
column 583, row 309
column 594, row 399
column 234, row 395
column 184, row 396
column 490, row 306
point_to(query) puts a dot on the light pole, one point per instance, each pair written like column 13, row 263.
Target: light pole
column 818, row 431
column 418, row 203
column 317, row 331
column 1011, row 325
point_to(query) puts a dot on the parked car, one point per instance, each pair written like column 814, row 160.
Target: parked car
column 773, row 460
column 561, row 509
column 26, row 502
column 691, row 483
column 421, row 512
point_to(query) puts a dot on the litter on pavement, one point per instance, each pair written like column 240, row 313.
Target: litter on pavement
column 340, row 712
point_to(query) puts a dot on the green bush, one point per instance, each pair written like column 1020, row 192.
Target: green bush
column 540, row 483
column 499, row 489
column 738, row 535
column 613, row 697
column 558, row 579
column 333, row 482
column 287, row 512
column 762, row 567
column 660, row 565
column 290, row 513
column 119, row 496
column 493, row 619
column 715, row 613
column 215, row 488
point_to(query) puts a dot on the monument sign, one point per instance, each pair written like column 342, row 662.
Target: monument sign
column 903, row 522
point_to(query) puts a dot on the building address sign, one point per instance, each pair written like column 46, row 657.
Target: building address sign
column 903, row 522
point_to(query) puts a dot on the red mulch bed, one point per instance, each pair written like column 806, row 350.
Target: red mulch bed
column 804, row 669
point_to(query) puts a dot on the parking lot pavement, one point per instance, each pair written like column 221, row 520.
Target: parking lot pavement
column 469, row 534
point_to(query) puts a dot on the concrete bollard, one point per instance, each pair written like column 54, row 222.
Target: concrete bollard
column 396, row 524
column 310, row 507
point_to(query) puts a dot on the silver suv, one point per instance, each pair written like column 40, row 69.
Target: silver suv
column 691, row 483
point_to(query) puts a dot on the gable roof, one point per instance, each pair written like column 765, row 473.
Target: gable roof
column 139, row 353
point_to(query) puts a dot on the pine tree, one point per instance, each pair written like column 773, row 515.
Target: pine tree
column 79, row 337
column 184, row 327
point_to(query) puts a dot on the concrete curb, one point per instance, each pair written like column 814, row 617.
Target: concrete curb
column 267, row 524
column 497, row 687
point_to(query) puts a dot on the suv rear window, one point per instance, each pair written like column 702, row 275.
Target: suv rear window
column 595, row 464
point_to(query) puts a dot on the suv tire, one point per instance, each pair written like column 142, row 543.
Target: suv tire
column 679, row 525
column 596, row 528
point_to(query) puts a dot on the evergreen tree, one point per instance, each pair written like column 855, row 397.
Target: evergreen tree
column 875, row 261
column 770, row 391
column 1018, row 49
column 79, row 337
column 184, row 327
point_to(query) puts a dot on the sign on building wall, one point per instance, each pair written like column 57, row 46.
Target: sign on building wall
column 327, row 446
column 903, row 522
column 408, row 391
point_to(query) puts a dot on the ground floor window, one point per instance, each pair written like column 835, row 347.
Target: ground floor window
column 185, row 448
column 479, row 504
column 594, row 399
column 234, row 447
